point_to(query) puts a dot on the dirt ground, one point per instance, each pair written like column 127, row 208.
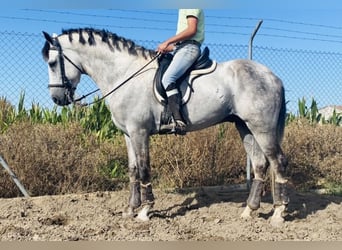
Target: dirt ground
column 204, row 214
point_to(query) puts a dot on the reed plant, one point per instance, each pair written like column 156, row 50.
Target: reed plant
column 312, row 114
column 95, row 119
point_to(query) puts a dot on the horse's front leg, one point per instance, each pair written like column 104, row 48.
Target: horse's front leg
column 134, row 185
column 147, row 197
column 139, row 172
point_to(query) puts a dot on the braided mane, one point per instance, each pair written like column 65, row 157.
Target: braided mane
column 111, row 39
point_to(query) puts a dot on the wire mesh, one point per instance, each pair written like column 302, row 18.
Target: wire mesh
column 309, row 74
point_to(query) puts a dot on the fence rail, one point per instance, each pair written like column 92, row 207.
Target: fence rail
column 309, row 74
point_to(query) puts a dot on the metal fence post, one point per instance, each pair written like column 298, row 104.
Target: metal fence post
column 14, row 177
column 250, row 46
column 250, row 57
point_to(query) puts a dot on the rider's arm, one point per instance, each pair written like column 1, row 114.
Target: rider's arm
column 190, row 31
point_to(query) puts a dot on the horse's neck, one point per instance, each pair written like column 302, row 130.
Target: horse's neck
column 107, row 67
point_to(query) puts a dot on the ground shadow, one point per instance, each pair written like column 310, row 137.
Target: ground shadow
column 304, row 204
column 201, row 197
column 301, row 204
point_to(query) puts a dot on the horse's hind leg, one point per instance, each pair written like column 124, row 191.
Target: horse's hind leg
column 279, row 187
column 259, row 164
column 269, row 144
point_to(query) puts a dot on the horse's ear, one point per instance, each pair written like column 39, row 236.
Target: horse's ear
column 48, row 37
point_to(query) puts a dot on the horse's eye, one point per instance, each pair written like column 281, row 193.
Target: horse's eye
column 52, row 64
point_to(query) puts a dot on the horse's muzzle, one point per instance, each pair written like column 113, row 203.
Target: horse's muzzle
column 60, row 102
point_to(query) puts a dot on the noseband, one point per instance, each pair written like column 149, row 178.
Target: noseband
column 66, row 83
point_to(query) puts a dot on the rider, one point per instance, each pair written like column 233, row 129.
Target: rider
column 186, row 49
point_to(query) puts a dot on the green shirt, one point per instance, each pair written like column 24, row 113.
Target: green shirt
column 183, row 23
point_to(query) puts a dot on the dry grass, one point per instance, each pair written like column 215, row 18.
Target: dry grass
column 53, row 159
column 314, row 153
column 56, row 159
column 209, row 157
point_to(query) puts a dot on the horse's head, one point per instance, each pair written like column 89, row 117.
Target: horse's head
column 64, row 70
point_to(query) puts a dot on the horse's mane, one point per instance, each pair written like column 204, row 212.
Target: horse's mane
column 111, row 39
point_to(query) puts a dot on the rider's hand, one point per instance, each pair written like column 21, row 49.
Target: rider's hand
column 165, row 47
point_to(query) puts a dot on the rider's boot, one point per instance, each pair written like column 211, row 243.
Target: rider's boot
column 177, row 125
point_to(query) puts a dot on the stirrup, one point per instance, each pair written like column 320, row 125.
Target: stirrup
column 180, row 127
column 176, row 127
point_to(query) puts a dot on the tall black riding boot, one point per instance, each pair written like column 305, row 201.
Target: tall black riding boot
column 177, row 125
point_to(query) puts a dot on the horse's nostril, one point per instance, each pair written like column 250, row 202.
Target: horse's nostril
column 59, row 101
column 55, row 100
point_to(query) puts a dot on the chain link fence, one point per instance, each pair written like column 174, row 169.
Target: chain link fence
column 309, row 74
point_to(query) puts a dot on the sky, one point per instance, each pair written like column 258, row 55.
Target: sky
column 294, row 28
column 299, row 25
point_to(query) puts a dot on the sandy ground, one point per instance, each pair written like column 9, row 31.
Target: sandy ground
column 203, row 214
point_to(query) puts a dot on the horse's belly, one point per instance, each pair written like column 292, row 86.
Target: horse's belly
column 208, row 107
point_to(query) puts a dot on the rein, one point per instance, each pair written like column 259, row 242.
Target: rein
column 117, row 87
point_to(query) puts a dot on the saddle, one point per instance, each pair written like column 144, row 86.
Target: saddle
column 203, row 65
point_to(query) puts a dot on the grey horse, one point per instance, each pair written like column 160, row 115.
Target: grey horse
column 240, row 91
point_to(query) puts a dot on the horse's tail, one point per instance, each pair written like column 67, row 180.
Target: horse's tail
column 281, row 117
column 280, row 134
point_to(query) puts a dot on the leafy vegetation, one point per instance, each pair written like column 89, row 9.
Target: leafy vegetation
column 94, row 119
column 312, row 114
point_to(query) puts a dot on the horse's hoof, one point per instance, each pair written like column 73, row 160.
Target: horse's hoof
column 128, row 214
column 247, row 213
column 277, row 219
column 143, row 214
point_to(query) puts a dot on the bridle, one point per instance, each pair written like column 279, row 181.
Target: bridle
column 67, row 85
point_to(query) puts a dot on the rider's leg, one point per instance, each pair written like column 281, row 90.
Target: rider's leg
column 183, row 59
